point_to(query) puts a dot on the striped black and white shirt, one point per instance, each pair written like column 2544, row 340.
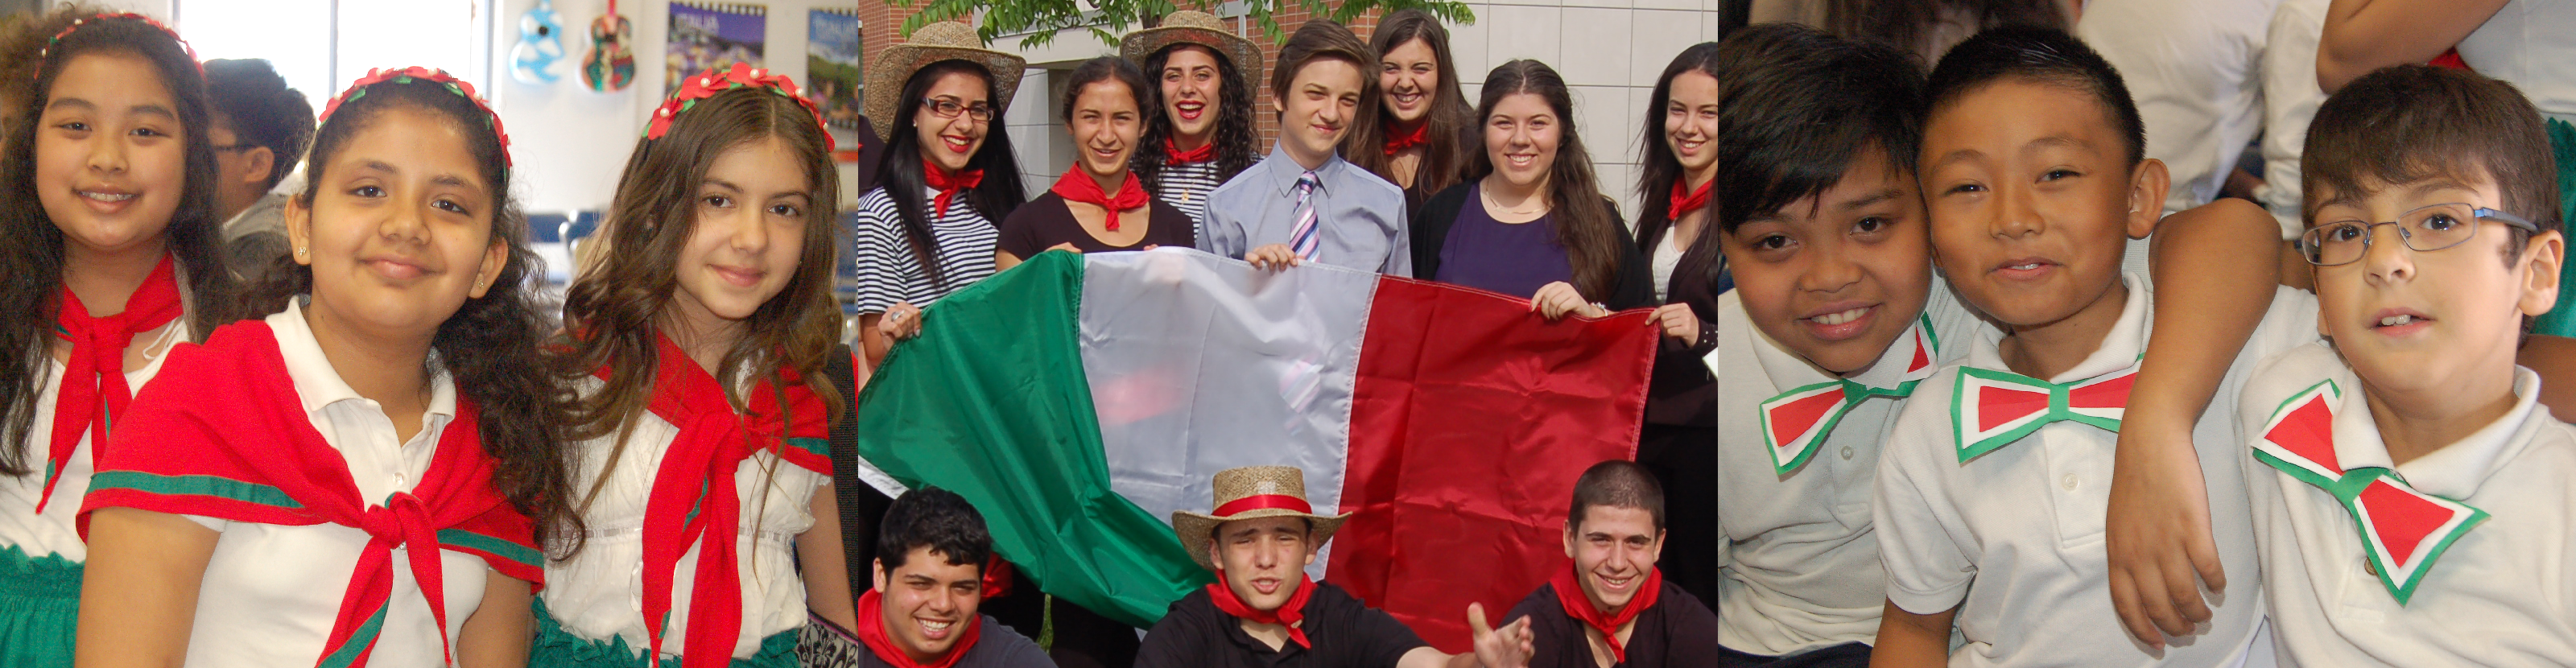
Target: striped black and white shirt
column 888, row 270
column 1186, row 186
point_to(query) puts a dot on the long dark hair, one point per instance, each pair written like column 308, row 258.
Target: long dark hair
column 490, row 346
column 1235, row 139
column 34, row 266
column 1584, row 219
column 1904, row 23
column 1660, row 169
column 900, row 171
column 1445, row 145
column 614, row 308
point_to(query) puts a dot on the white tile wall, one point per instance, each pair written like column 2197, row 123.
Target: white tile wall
column 1596, row 49
column 1521, row 31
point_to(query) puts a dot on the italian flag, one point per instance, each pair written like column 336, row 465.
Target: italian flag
column 1077, row 400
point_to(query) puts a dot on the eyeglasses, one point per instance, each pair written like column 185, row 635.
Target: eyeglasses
column 2428, row 228
column 982, row 113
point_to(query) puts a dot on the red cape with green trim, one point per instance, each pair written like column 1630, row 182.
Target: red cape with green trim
column 222, row 433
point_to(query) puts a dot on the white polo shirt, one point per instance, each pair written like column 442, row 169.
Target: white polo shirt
column 2194, row 68
column 2503, row 594
column 599, row 593
column 1799, row 564
column 271, row 592
column 2029, row 516
column 53, row 532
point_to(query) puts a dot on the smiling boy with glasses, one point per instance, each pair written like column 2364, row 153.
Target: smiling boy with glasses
column 2411, row 501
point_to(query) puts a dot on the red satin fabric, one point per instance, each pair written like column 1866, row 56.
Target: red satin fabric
column 93, row 392
column 1291, row 614
column 1078, row 186
column 1686, row 200
column 948, row 185
column 872, row 632
column 1175, row 156
column 1569, row 595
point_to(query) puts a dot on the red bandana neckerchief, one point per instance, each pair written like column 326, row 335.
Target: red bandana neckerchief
column 1291, row 614
column 1686, row 200
column 1403, row 139
column 694, row 499
column 948, row 185
column 872, row 632
column 1569, row 595
column 2403, row 530
column 93, row 392
column 223, row 433
column 1078, row 186
column 1173, row 155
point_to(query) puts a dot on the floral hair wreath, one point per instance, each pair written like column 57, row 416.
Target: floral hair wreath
column 77, row 23
column 358, row 89
column 711, row 82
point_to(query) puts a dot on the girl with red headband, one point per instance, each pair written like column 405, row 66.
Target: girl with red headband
column 364, row 477
column 698, row 346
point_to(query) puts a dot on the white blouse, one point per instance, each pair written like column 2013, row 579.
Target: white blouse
column 599, row 593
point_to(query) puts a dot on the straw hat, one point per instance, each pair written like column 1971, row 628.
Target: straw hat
column 1247, row 493
column 945, row 40
column 1194, row 27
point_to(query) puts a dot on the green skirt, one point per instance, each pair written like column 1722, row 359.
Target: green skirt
column 39, row 609
column 557, row 647
column 2561, row 321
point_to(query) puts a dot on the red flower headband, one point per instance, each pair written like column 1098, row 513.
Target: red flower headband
column 358, row 89
column 711, row 82
column 57, row 39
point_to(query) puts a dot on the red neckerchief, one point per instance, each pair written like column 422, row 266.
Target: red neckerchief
column 93, row 390
column 1404, row 139
column 222, row 433
column 948, row 185
column 1172, row 155
column 694, row 499
column 1078, row 186
column 872, row 632
column 1291, row 614
column 1569, row 595
column 1686, row 200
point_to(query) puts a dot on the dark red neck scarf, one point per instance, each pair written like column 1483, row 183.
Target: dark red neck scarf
column 1078, row 186
column 1403, row 138
column 948, row 185
column 1172, row 155
column 93, row 391
column 1686, row 200
column 1291, row 614
column 872, row 632
column 1569, row 595
column 694, row 498
column 225, row 417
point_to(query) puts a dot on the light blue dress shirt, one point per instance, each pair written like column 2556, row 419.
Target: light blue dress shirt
column 1360, row 217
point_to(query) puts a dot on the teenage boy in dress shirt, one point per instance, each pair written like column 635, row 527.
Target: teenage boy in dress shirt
column 1304, row 203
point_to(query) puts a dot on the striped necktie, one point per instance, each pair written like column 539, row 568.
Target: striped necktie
column 1303, row 240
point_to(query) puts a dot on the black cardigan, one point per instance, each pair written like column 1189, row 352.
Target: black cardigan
column 1635, row 287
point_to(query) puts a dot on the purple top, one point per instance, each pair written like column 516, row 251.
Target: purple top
column 1512, row 259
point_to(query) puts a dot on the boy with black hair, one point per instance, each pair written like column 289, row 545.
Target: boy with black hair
column 260, row 130
column 1837, row 318
column 1305, row 203
column 2410, row 496
column 1613, row 607
column 931, row 553
column 1993, row 492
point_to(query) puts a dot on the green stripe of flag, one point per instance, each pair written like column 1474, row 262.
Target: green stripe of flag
column 990, row 402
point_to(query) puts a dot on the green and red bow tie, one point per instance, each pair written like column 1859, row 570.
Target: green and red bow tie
column 2403, row 531
column 1795, row 423
column 1992, row 409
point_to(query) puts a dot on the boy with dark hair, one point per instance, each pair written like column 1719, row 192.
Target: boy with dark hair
column 2410, row 497
column 1836, row 320
column 260, row 130
column 931, row 553
column 1305, row 203
column 1993, row 491
column 1613, row 607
